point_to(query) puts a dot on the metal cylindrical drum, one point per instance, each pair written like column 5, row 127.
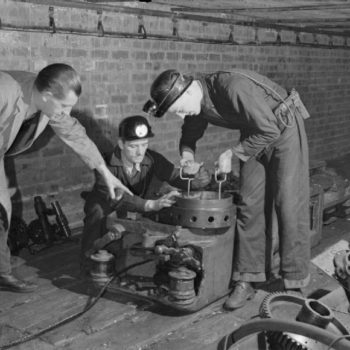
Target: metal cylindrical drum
column 103, row 267
column 315, row 313
column 182, row 286
column 201, row 209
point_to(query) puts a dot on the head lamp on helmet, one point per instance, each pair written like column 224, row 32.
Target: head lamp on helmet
column 135, row 128
column 165, row 90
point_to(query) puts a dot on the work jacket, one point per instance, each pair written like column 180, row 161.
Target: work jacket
column 233, row 101
column 154, row 169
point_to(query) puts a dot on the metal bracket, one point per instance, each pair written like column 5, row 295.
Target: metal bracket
column 278, row 38
column 219, row 181
column 141, row 29
column 256, row 36
column 100, row 29
column 231, row 35
column 330, row 42
column 175, row 26
column 52, row 23
column 189, row 179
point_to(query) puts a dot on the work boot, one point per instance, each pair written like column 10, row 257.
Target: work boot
column 11, row 283
column 241, row 294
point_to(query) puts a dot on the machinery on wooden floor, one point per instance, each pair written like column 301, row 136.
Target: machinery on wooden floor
column 49, row 228
column 341, row 263
column 187, row 250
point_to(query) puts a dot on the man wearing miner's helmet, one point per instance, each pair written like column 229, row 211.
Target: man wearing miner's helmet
column 273, row 154
column 138, row 168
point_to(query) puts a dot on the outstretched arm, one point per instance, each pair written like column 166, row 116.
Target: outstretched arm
column 72, row 133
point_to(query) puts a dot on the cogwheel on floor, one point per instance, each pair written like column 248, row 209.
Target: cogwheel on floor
column 279, row 340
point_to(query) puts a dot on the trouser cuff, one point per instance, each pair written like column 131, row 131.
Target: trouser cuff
column 300, row 283
column 249, row 276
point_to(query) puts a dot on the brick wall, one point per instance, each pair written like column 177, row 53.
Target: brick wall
column 117, row 72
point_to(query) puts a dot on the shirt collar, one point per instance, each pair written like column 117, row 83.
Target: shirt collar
column 117, row 160
column 129, row 166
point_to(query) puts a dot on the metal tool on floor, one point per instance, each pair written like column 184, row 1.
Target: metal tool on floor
column 43, row 232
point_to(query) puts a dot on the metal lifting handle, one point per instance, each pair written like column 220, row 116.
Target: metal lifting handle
column 189, row 179
column 220, row 181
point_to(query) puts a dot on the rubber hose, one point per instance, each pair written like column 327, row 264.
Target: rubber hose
column 295, row 327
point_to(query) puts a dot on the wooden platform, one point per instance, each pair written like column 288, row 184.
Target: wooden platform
column 118, row 322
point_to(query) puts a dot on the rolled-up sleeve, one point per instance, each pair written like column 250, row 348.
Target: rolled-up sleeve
column 262, row 129
column 73, row 134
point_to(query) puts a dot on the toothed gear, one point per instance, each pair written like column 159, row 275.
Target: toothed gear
column 286, row 306
column 281, row 341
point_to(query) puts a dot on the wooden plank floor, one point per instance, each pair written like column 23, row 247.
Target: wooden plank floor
column 118, row 322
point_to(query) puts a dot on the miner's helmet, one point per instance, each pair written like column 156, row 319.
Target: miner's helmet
column 165, row 90
column 135, row 128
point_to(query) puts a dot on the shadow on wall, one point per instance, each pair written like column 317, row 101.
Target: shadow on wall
column 97, row 130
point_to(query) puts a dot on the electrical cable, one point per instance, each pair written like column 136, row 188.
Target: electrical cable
column 89, row 305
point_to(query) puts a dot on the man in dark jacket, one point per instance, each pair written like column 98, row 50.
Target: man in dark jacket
column 273, row 153
column 137, row 167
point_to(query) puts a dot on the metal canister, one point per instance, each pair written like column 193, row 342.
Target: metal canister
column 103, row 267
column 202, row 209
column 182, row 286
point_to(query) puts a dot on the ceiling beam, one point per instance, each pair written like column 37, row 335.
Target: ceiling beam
column 340, row 6
column 227, row 19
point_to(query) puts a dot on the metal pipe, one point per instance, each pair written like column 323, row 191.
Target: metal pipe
column 339, row 6
column 158, row 13
column 77, row 31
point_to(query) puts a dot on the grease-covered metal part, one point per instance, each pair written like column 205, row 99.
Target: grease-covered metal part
column 203, row 209
column 288, row 306
column 341, row 263
column 102, row 268
column 182, row 285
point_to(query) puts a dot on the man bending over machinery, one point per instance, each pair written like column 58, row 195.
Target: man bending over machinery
column 137, row 167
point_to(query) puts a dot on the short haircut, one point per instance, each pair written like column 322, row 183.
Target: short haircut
column 59, row 79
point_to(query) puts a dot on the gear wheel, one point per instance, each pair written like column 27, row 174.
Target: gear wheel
column 286, row 306
column 281, row 341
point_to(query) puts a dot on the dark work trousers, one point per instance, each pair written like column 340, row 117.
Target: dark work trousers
column 5, row 256
column 96, row 209
column 274, row 193
column 5, row 215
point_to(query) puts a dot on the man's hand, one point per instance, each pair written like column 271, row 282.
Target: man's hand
column 201, row 179
column 187, row 158
column 163, row 202
column 224, row 163
column 192, row 169
column 113, row 183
